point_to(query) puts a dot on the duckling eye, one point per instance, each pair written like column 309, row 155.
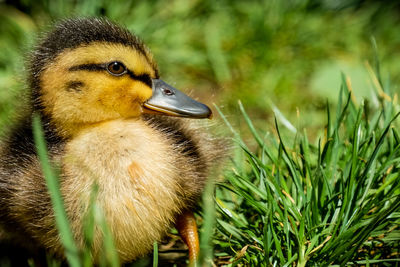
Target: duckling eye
column 116, row 68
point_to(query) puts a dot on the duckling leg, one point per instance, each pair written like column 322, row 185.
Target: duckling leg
column 187, row 227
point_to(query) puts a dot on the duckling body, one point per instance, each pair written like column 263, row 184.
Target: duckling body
column 149, row 169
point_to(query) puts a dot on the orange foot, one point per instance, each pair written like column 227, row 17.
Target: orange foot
column 187, row 227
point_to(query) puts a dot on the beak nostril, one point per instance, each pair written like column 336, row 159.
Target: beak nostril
column 168, row 92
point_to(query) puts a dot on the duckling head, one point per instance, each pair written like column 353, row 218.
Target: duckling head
column 88, row 71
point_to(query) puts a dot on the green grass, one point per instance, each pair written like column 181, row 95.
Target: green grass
column 336, row 202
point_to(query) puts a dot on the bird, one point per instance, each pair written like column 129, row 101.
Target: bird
column 108, row 120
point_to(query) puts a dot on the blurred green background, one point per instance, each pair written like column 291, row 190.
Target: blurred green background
column 271, row 53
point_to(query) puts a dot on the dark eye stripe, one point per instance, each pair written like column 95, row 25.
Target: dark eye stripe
column 145, row 78
column 89, row 67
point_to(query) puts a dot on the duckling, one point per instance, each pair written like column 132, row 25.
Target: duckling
column 108, row 120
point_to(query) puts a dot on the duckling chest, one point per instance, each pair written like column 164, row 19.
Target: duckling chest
column 133, row 165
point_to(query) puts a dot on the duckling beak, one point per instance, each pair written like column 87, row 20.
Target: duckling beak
column 170, row 101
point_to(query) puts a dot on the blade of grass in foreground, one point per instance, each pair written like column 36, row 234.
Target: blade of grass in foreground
column 206, row 250
column 71, row 251
column 155, row 254
column 109, row 255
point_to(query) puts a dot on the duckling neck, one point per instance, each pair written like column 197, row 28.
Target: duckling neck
column 69, row 131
